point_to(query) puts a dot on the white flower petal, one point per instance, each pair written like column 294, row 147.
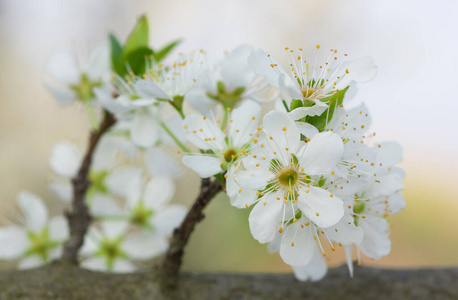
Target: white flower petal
column 318, row 205
column 64, row 95
column 142, row 245
column 301, row 112
column 158, row 192
column 150, row 89
column 297, row 245
column 63, row 67
column 376, row 242
column 145, row 129
column 315, row 270
column 119, row 179
column 30, row 262
column 345, row 232
column 389, row 153
column 166, row 220
column 104, row 206
column 265, row 218
column 245, row 120
column 235, row 70
column 114, row 229
column 239, row 198
column 14, row 242
column 62, row 190
column 288, row 88
column 35, row 211
column 200, row 101
column 105, row 153
column 65, row 159
column 95, row 264
column 58, row 228
column 99, row 63
column 360, row 70
column 123, row 266
column 283, row 131
column 306, row 129
column 203, row 133
column 396, row 202
column 205, row 166
column 253, row 178
column 322, row 154
column 261, row 64
column 160, row 163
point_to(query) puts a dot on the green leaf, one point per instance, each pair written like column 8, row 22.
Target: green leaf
column 161, row 54
column 116, row 54
column 334, row 101
column 296, row 103
column 137, row 60
column 138, row 38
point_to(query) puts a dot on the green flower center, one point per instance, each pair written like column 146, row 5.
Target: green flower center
column 40, row 244
column 111, row 250
column 141, row 215
column 227, row 97
column 97, row 180
column 230, row 155
column 288, row 177
column 85, row 88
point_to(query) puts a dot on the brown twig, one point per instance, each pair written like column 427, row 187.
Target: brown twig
column 168, row 270
column 79, row 217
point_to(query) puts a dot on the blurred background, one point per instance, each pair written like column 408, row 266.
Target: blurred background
column 412, row 100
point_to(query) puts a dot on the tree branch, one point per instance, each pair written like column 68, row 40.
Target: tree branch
column 64, row 281
column 168, row 270
column 79, row 217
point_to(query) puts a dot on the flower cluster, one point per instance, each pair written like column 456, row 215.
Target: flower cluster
column 310, row 169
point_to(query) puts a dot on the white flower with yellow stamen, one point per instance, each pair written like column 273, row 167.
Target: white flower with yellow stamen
column 224, row 148
column 39, row 240
column 311, row 83
column 229, row 83
column 286, row 174
column 351, row 125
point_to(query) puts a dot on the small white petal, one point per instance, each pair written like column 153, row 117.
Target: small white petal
column 283, row 131
column 150, row 89
column 99, row 63
column 307, row 130
column 205, row 166
column 245, row 120
column 166, row 220
column 265, row 218
column 145, row 130
column 235, row 70
column 62, row 190
column 119, row 179
column 63, row 67
column 253, row 178
column 64, row 95
column 14, row 242
column 160, row 163
column 58, row 228
column 297, row 245
column 360, row 70
column 301, row 112
column 35, row 211
column 322, row 154
column 65, row 159
column 320, row 207
column 376, row 242
column 143, row 245
column 30, row 262
column 261, row 64
column 158, row 192
column 315, row 270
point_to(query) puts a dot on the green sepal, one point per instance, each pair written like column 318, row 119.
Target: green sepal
column 138, row 38
column 334, row 101
column 116, row 55
column 161, row 54
column 137, row 60
column 296, row 103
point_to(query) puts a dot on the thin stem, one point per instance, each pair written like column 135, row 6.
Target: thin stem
column 225, row 115
column 79, row 218
column 173, row 136
column 168, row 270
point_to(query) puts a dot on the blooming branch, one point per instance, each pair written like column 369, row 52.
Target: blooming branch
column 79, row 217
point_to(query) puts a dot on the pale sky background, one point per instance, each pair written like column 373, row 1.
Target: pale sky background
column 412, row 100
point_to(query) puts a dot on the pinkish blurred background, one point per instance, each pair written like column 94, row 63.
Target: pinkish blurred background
column 412, row 100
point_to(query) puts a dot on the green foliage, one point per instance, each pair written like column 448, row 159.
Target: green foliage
column 136, row 51
column 334, row 101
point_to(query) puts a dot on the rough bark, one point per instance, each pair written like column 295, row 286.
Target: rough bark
column 79, row 217
column 168, row 270
column 66, row 281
